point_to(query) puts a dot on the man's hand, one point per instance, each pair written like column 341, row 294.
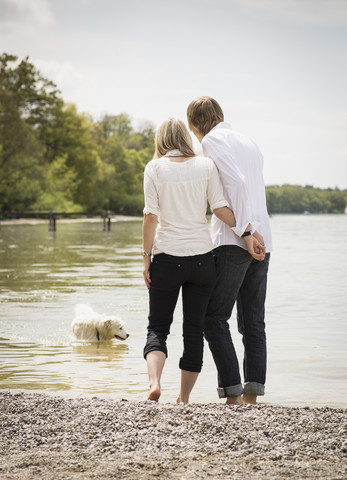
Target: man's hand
column 255, row 248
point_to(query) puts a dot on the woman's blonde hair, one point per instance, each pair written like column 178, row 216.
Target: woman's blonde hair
column 204, row 113
column 173, row 135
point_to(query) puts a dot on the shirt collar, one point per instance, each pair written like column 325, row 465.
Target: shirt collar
column 173, row 153
column 222, row 125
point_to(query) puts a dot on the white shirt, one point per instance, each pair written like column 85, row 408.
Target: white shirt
column 177, row 192
column 240, row 165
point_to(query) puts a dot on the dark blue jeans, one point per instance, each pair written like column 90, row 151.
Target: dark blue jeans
column 240, row 279
column 196, row 275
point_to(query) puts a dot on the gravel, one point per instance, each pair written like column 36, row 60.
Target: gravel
column 49, row 437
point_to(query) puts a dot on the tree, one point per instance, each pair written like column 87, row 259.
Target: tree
column 25, row 99
column 123, row 177
column 60, row 186
column 116, row 126
column 71, row 135
column 124, row 152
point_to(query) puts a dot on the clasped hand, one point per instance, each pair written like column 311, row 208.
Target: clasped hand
column 256, row 246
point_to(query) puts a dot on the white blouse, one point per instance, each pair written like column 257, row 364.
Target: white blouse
column 177, row 192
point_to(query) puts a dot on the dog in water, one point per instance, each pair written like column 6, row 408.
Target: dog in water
column 95, row 327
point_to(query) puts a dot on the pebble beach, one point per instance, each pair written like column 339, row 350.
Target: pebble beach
column 47, row 437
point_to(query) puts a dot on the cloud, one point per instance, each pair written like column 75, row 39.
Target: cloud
column 64, row 74
column 31, row 13
column 320, row 12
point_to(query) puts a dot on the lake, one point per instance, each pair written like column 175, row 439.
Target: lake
column 43, row 275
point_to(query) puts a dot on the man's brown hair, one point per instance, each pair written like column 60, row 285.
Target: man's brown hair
column 204, row 113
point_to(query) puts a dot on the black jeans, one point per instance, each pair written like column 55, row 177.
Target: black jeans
column 240, row 279
column 196, row 276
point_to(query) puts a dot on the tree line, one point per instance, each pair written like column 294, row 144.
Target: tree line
column 298, row 199
column 54, row 158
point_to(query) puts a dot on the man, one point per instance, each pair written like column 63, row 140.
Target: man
column 240, row 277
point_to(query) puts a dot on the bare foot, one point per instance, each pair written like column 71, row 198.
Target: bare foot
column 234, row 400
column 154, row 393
column 250, row 398
column 179, row 401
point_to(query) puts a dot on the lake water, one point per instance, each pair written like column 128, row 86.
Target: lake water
column 43, row 275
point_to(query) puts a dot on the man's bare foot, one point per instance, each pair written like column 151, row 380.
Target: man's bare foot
column 250, row 398
column 234, row 400
column 154, row 393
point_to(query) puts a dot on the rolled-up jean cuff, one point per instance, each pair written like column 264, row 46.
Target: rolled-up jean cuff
column 189, row 367
column 255, row 388
column 234, row 391
column 154, row 348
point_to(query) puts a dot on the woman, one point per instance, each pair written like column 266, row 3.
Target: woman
column 177, row 186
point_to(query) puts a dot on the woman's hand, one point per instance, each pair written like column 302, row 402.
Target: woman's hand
column 148, row 233
column 259, row 237
column 145, row 272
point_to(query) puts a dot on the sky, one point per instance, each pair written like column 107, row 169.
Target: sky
column 277, row 67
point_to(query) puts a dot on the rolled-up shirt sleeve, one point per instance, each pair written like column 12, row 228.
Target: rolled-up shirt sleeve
column 234, row 185
column 215, row 194
column 150, row 191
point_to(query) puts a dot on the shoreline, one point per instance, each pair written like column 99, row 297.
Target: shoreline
column 43, row 436
column 114, row 218
column 40, row 221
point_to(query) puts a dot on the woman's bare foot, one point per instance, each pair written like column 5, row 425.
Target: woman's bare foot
column 154, row 393
column 155, row 364
column 250, row 398
column 188, row 380
column 234, row 400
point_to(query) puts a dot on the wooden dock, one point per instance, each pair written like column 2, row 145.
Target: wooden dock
column 52, row 216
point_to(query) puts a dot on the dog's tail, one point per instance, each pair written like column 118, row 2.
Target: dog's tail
column 83, row 309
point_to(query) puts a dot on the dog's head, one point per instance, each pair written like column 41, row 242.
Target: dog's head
column 115, row 329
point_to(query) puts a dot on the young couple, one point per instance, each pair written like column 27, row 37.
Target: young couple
column 215, row 273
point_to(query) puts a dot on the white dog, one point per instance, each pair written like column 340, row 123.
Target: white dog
column 94, row 327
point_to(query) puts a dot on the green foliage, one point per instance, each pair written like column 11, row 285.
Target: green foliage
column 52, row 157
column 124, row 153
column 20, row 185
column 297, row 199
column 60, row 186
column 21, row 154
column 71, row 135
column 116, row 126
